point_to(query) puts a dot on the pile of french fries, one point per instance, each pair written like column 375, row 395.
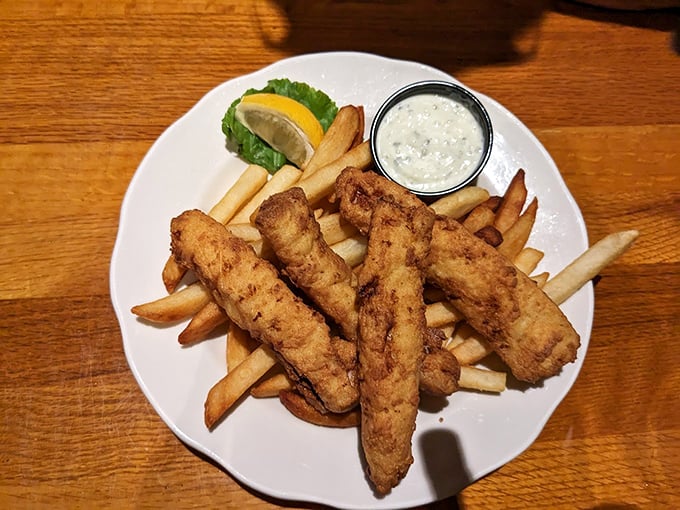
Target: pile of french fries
column 504, row 222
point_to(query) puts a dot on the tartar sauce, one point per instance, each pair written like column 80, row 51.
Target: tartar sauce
column 429, row 142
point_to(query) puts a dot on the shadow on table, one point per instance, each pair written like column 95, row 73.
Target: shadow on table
column 663, row 20
column 446, row 34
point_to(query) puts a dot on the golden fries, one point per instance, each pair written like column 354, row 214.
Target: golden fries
column 517, row 235
column 321, row 182
column 480, row 217
column 172, row 274
column 283, row 179
column 528, row 259
column 231, row 387
column 588, row 265
column 461, row 202
column 249, row 183
column 512, row 203
column 473, row 378
column 334, row 229
column 176, row 306
column 470, row 349
column 252, row 179
column 541, row 279
column 352, row 250
column 239, row 346
column 271, row 386
column 203, row 323
column 347, row 127
column 245, row 231
column 441, row 313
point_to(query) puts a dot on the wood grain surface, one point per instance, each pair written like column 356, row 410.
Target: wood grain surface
column 86, row 87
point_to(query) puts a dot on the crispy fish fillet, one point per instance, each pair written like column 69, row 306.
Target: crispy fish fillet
column 287, row 222
column 358, row 192
column 257, row 300
column 392, row 331
column 528, row 331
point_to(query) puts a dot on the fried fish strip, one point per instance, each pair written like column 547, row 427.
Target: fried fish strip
column 392, row 331
column 527, row 330
column 256, row 299
column 288, row 223
column 523, row 325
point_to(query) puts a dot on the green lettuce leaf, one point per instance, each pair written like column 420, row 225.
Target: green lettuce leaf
column 257, row 151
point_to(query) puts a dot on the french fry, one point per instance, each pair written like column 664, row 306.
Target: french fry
column 528, row 259
column 473, row 378
column 359, row 138
column 352, row 250
column 517, row 235
column 245, row 231
column 239, row 346
column 172, row 274
column 283, row 179
column 480, row 217
column 176, row 306
column 451, row 343
column 299, row 407
column 224, row 394
column 262, row 249
column 512, row 203
column 469, row 350
column 585, row 267
column 493, row 202
column 441, row 313
column 447, row 330
column 338, row 139
column 335, row 229
column 247, row 185
column 271, row 386
column 541, row 279
column 203, row 323
column 322, row 181
column 461, row 202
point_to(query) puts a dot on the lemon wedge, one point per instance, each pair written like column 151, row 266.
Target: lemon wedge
column 285, row 124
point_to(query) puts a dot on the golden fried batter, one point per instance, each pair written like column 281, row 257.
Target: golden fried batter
column 257, row 300
column 288, row 223
column 527, row 330
column 440, row 371
column 392, row 330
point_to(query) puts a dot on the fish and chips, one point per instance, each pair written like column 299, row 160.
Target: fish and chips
column 347, row 298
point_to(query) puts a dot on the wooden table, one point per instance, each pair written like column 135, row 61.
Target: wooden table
column 88, row 86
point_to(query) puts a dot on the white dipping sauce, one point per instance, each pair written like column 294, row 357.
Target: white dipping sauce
column 429, row 142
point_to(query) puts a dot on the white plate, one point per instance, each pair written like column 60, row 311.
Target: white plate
column 457, row 440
